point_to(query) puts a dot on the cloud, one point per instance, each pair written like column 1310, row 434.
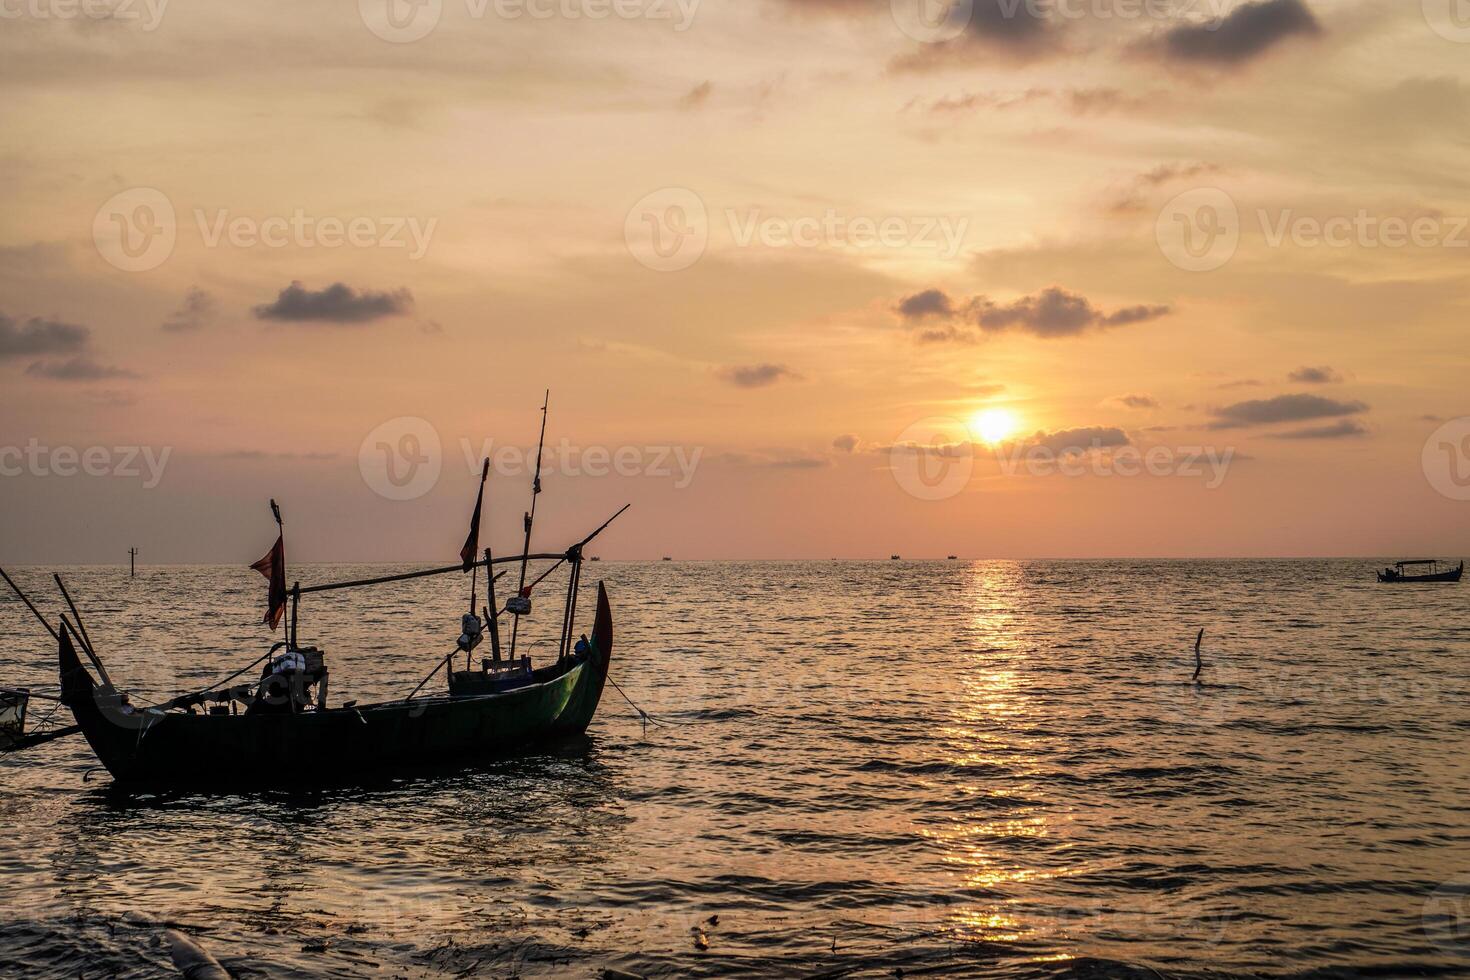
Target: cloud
column 338, row 303
column 1068, row 441
column 801, row 463
column 755, row 375
column 1315, row 376
column 1247, row 32
column 54, row 338
column 1137, row 401
column 929, row 303
column 1009, row 30
column 1077, row 101
column 79, row 368
column 1051, row 313
column 846, row 443
column 773, row 460
column 1283, row 408
column 1346, row 429
column 1135, row 198
column 1055, row 312
column 196, row 310
column 40, row 336
column 697, row 96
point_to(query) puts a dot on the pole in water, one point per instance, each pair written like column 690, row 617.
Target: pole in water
column 132, row 563
column 1199, row 663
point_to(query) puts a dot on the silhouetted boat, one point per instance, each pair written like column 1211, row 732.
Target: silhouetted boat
column 279, row 740
column 1409, row 572
column 279, row 729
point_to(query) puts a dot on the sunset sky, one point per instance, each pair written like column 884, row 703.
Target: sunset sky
column 831, row 278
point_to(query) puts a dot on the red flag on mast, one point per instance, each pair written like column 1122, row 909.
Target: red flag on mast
column 273, row 567
column 471, row 550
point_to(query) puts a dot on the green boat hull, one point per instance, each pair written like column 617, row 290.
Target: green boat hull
column 177, row 748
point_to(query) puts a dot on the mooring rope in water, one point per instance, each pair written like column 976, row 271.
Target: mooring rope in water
column 645, row 716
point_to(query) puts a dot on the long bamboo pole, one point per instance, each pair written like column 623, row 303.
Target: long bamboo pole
column 31, row 606
column 409, row 576
column 515, row 627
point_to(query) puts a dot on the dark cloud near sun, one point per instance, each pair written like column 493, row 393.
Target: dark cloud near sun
column 49, row 338
column 1344, row 429
column 1282, row 409
column 1137, row 401
column 1244, row 34
column 1052, row 313
column 929, row 303
column 1011, row 30
column 193, row 313
column 846, row 443
column 338, row 303
column 1315, row 376
column 997, row 30
column 1077, row 101
column 755, row 375
column 40, row 336
column 1069, row 441
column 79, row 368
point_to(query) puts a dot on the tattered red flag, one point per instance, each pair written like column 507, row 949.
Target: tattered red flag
column 470, row 553
column 273, row 567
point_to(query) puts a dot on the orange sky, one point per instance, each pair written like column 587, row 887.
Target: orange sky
column 807, row 278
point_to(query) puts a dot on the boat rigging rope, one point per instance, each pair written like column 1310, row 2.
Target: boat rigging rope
column 218, row 684
column 645, row 716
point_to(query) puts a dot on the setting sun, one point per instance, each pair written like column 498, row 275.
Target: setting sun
column 994, row 425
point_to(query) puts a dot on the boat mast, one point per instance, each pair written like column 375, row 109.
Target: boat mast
column 467, row 554
column 530, row 522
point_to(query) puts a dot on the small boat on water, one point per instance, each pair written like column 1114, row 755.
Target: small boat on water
column 1422, row 570
column 279, row 729
column 13, row 716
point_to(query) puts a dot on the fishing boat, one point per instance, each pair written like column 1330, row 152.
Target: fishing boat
column 280, row 728
column 283, row 738
column 13, row 716
column 1422, row 570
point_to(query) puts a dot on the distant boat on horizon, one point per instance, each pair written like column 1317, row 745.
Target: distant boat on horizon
column 1405, row 572
column 895, row 557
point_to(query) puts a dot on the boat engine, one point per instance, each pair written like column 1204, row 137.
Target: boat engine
column 472, row 632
